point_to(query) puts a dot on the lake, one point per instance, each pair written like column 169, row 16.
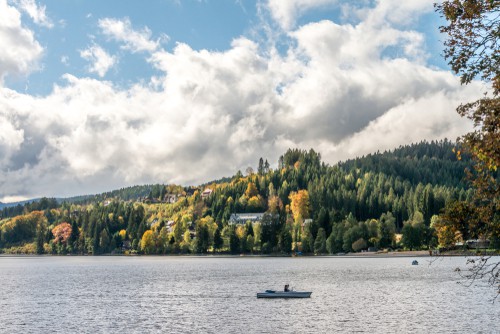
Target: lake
column 218, row 295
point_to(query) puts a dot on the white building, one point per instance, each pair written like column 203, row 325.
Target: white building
column 243, row 218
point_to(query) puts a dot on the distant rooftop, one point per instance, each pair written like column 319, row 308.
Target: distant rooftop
column 242, row 218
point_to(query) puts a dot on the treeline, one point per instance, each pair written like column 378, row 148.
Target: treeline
column 124, row 194
column 37, row 205
column 393, row 183
column 388, row 199
column 435, row 163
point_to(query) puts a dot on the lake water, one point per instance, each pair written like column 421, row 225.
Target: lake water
column 218, row 295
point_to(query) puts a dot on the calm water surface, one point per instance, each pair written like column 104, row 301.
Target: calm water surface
column 218, row 295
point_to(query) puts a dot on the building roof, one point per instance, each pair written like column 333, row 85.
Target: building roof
column 207, row 192
column 242, row 218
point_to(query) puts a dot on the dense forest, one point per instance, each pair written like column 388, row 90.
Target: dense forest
column 383, row 200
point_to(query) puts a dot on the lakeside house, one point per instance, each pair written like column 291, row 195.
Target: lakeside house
column 478, row 243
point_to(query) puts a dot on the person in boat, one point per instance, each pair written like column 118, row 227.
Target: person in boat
column 286, row 288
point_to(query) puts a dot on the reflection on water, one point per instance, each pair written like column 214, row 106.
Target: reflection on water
column 218, row 295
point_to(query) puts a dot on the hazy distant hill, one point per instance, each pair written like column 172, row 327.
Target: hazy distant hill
column 124, row 194
column 12, row 204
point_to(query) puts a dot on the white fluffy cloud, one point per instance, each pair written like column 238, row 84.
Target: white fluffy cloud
column 398, row 12
column 36, row 12
column 100, row 60
column 122, row 31
column 286, row 12
column 20, row 51
column 337, row 90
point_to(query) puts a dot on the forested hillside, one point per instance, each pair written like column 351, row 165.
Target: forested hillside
column 310, row 207
column 124, row 194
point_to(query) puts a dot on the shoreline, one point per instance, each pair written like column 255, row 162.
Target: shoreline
column 402, row 254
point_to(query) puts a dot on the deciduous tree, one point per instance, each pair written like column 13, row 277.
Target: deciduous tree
column 299, row 204
column 473, row 51
column 62, row 233
column 147, row 242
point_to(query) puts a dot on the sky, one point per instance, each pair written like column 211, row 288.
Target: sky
column 99, row 95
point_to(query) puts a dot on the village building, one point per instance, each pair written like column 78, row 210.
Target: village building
column 171, row 198
column 206, row 193
column 243, row 218
column 170, row 226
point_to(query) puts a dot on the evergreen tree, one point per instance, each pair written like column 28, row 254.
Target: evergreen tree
column 323, row 220
column 202, row 239
column 131, row 227
column 74, row 237
column 285, row 241
column 266, row 167
column 234, row 243
column 40, row 237
column 320, row 242
column 142, row 228
column 104, row 241
column 95, row 240
column 330, row 243
column 218, row 241
column 260, row 169
column 249, row 243
column 249, row 227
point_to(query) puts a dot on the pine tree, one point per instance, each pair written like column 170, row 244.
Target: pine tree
column 218, row 241
column 73, row 238
column 320, row 242
column 260, row 169
column 40, row 237
column 234, row 243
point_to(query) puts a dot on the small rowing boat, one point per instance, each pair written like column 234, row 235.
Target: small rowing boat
column 284, row 294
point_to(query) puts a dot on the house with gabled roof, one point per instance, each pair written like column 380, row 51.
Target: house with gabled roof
column 243, row 218
column 206, row 193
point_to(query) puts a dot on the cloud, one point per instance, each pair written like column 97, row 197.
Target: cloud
column 426, row 118
column 134, row 40
column 286, row 12
column 37, row 13
column 20, row 51
column 11, row 139
column 401, row 13
column 343, row 89
column 65, row 60
column 100, row 60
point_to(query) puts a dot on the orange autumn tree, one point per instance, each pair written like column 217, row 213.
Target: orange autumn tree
column 62, row 233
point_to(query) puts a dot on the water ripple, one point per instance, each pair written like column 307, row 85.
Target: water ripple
column 217, row 295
